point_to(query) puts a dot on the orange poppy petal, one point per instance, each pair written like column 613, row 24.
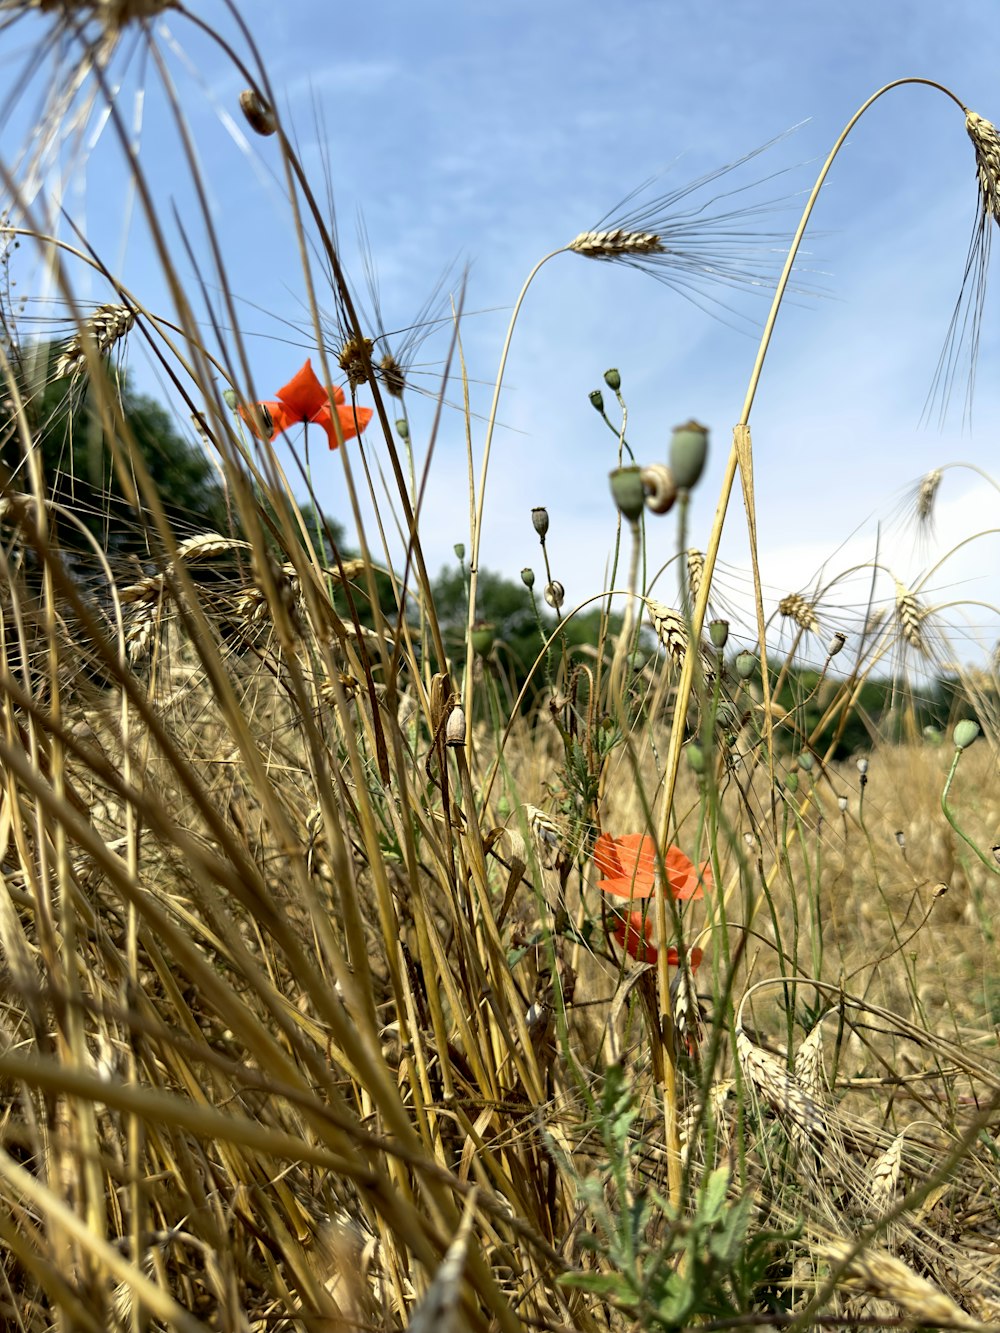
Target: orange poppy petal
column 353, row 420
column 634, row 936
column 682, row 876
column 303, row 395
column 606, row 857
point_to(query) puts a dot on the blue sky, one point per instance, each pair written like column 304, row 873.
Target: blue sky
column 489, row 134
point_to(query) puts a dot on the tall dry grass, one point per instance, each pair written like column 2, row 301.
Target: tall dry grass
column 314, row 1014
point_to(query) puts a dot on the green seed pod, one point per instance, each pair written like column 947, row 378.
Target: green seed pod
column 965, row 733
column 806, row 761
column 932, row 735
column 540, row 520
column 695, row 757
column 231, row 399
column 628, row 490
column 718, row 632
column 403, row 428
column 528, row 576
column 792, row 783
column 613, row 380
column 460, row 551
column 688, row 452
column 746, row 664
column 484, row 634
column 597, row 400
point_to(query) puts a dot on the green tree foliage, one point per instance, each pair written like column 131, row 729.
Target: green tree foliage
column 77, row 459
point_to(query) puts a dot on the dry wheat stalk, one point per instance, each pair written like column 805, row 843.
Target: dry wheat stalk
column 207, row 545
column 881, row 1275
column 910, row 615
column 613, row 244
column 883, row 1177
column 106, row 326
column 986, row 142
column 795, row 607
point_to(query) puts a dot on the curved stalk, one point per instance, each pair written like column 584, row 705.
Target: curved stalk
column 740, row 455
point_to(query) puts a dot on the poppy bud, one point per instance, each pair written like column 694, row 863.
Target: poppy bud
column 688, row 451
column 965, row 733
column 403, row 428
column 806, row 761
column 454, row 728
column 459, row 549
column 613, row 380
column 792, row 783
column 229, row 397
column 540, row 520
column 483, row 636
column 628, row 491
column 695, row 757
column 718, row 632
column 597, row 400
column 259, row 115
column 528, row 576
column 555, row 594
column 746, row 665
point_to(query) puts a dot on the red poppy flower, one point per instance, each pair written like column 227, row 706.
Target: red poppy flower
column 629, row 866
column 634, row 936
column 303, row 398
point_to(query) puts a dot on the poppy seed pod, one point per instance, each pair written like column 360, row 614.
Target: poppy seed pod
column 484, row 634
column 965, row 733
column 403, row 428
column 688, row 452
column 792, row 783
column 528, row 576
column 695, row 757
column 836, row 643
column 555, row 594
column 805, row 761
column 613, row 380
column 661, row 489
column 628, row 491
column 746, row 665
column 231, row 399
column 718, row 632
column 454, row 728
column 597, row 400
column 540, row 520
column 259, row 115
column 459, row 549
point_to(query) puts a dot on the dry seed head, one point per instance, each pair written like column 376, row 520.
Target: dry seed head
column 883, row 1178
column 795, row 607
column 355, row 360
column 392, row 375
column 670, row 629
column 986, row 141
column 106, row 326
column 613, row 244
column 548, row 837
column 696, row 570
column 910, row 615
column 809, row 1061
column 881, row 1275
column 781, row 1090
column 113, row 15
column 207, row 545
column 926, row 495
